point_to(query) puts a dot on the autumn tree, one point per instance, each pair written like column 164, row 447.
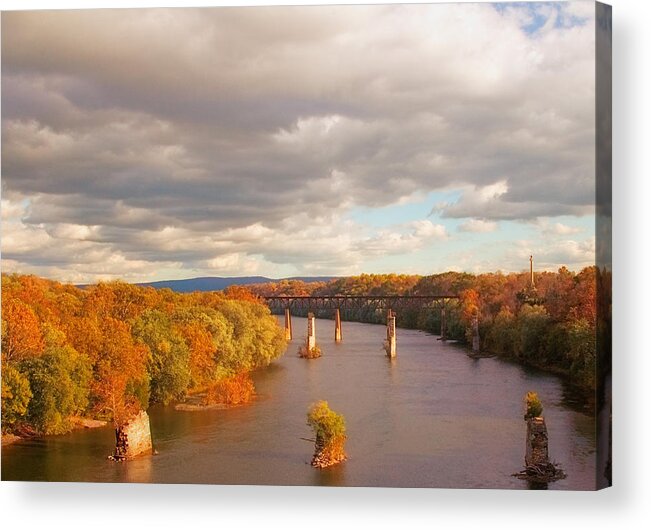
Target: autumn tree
column 210, row 338
column 107, row 348
column 199, row 341
column 21, row 331
column 121, row 383
column 238, row 292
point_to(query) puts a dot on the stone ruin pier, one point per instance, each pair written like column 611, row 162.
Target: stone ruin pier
column 133, row 438
column 537, row 447
column 538, row 470
column 310, row 341
column 390, row 344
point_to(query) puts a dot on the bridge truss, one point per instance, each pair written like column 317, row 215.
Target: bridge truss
column 363, row 306
column 356, row 302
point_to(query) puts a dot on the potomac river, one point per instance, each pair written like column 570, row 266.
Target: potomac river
column 432, row 417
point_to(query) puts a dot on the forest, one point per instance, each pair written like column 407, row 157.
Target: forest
column 554, row 325
column 108, row 350
column 111, row 349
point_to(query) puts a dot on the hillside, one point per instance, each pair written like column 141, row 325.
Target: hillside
column 215, row 283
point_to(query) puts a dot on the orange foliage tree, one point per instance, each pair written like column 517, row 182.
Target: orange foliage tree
column 21, row 331
column 127, row 345
column 120, row 387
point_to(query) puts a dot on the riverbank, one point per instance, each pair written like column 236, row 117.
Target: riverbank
column 577, row 385
column 8, row 439
column 86, row 423
column 193, row 407
column 76, row 423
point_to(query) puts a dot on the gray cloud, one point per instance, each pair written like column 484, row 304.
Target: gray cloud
column 210, row 120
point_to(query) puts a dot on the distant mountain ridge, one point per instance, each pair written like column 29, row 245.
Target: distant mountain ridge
column 215, row 283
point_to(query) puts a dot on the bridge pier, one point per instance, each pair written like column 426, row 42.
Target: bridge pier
column 390, row 346
column 310, row 342
column 475, row 333
column 444, row 324
column 338, row 336
column 288, row 324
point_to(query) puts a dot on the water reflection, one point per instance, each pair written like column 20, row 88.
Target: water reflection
column 536, row 485
column 332, row 476
column 139, row 469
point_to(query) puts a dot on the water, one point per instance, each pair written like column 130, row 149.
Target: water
column 433, row 417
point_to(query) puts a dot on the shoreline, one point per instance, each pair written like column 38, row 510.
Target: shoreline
column 189, row 406
column 76, row 423
column 8, row 439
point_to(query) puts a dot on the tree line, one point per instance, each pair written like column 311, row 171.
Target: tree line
column 111, row 349
column 557, row 329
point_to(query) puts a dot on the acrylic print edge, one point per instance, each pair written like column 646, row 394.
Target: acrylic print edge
column 603, row 234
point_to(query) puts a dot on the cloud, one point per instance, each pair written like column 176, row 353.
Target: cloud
column 553, row 255
column 478, row 226
column 495, row 202
column 549, row 254
column 198, row 138
column 557, row 229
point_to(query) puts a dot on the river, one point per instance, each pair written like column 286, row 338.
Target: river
column 432, row 417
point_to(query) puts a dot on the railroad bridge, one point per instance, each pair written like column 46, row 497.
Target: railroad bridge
column 362, row 303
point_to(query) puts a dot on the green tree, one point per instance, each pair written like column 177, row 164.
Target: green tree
column 582, row 351
column 169, row 359
column 533, row 322
column 60, row 382
column 258, row 337
column 502, row 335
column 16, row 394
column 326, row 423
column 533, row 405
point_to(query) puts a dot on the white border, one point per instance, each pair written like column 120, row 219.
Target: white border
column 626, row 505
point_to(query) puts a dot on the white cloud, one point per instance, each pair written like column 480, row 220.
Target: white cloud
column 478, row 226
column 12, row 209
column 557, row 229
column 552, row 255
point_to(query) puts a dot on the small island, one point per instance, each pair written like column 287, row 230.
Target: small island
column 330, row 431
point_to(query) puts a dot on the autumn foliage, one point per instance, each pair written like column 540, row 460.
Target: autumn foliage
column 22, row 337
column 234, row 390
column 558, row 334
column 533, row 406
column 111, row 349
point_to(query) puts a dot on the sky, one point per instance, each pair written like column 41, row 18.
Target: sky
column 159, row 144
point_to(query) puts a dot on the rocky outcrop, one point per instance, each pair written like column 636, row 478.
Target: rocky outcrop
column 326, row 455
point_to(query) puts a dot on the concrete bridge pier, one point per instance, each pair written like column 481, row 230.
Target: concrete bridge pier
column 310, row 342
column 444, row 325
column 338, row 336
column 391, row 335
column 475, row 333
column 288, row 324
